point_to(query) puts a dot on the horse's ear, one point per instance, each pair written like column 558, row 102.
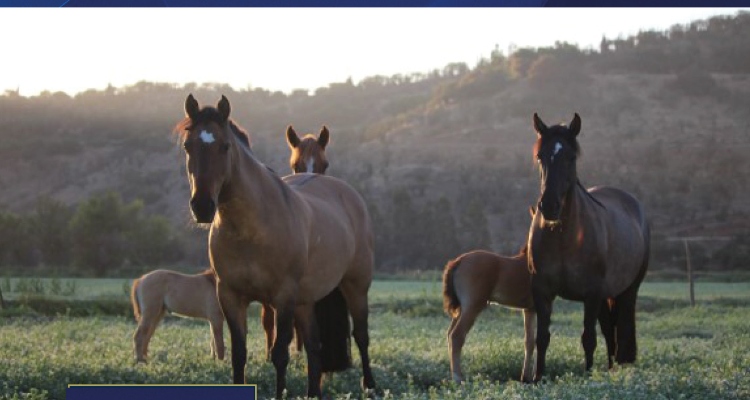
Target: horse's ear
column 291, row 137
column 323, row 137
column 224, row 108
column 191, row 106
column 575, row 125
column 539, row 126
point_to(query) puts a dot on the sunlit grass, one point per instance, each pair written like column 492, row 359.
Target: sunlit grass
column 684, row 352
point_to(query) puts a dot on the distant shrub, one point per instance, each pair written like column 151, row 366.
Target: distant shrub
column 552, row 73
column 694, row 81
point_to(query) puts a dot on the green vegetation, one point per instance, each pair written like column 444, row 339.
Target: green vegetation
column 684, row 352
column 97, row 238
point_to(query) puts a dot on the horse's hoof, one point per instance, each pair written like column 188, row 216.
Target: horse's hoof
column 367, row 384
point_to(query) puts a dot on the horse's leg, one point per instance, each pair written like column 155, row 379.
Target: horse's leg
column 280, row 351
column 449, row 333
column 234, row 307
column 211, row 341
column 529, row 323
column 150, row 318
column 543, row 308
column 625, row 328
column 306, row 328
column 607, row 319
column 138, row 341
column 591, row 307
column 267, row 317
column 299, row 338
column 356, row 300
column 217, row 331
column 466, row 318
column 627, row 348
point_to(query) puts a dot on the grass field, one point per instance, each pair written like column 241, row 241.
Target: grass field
column 684, row 352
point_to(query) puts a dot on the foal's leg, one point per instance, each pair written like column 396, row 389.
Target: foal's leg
column 449, row 333
column 217, row 331
column 211, row 341
column 591, row 307
column 543, row 308
column 529, row 324
column 466, row 318
column 150, row 318
column 234, row 307
column 356, row 300
column 267, row 317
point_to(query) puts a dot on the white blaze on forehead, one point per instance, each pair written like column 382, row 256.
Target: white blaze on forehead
column 558, row 146
column 207, row 137
column 310, row 164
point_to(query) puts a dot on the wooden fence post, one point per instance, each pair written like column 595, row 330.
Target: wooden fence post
column 691, row 281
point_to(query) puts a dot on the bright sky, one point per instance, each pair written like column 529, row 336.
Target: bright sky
column 72, row 50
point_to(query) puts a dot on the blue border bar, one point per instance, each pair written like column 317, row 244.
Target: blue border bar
column 161, row 392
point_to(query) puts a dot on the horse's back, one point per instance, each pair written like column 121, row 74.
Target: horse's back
column 495, row 278
column 620, row 201
column 340, row 237
column 332, row 198
column 183, row 294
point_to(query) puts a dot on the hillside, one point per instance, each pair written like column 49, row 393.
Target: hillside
column 443, row 158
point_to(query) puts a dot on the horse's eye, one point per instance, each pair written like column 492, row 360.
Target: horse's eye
column 225, row 147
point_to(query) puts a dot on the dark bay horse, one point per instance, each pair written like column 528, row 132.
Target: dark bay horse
column 470, row 282
column 584, row 245
column 161, row 291
column 287, row 242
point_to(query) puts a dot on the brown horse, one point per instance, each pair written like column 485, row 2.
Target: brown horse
column 287, row 242
column 584, row 245
column 307, row 155
column 474, row 279
column 162, row 291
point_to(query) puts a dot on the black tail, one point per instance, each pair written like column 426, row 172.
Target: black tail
column 335, row 343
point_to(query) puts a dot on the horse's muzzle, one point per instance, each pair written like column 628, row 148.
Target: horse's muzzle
column 203, row 209
column 550, row 210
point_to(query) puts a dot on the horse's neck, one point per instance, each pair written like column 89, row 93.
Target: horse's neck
column 575, row 207
column 253, row 193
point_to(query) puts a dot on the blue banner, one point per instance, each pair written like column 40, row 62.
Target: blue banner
column 161, row 392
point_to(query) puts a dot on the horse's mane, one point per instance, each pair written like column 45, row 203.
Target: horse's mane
column 210, row 114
